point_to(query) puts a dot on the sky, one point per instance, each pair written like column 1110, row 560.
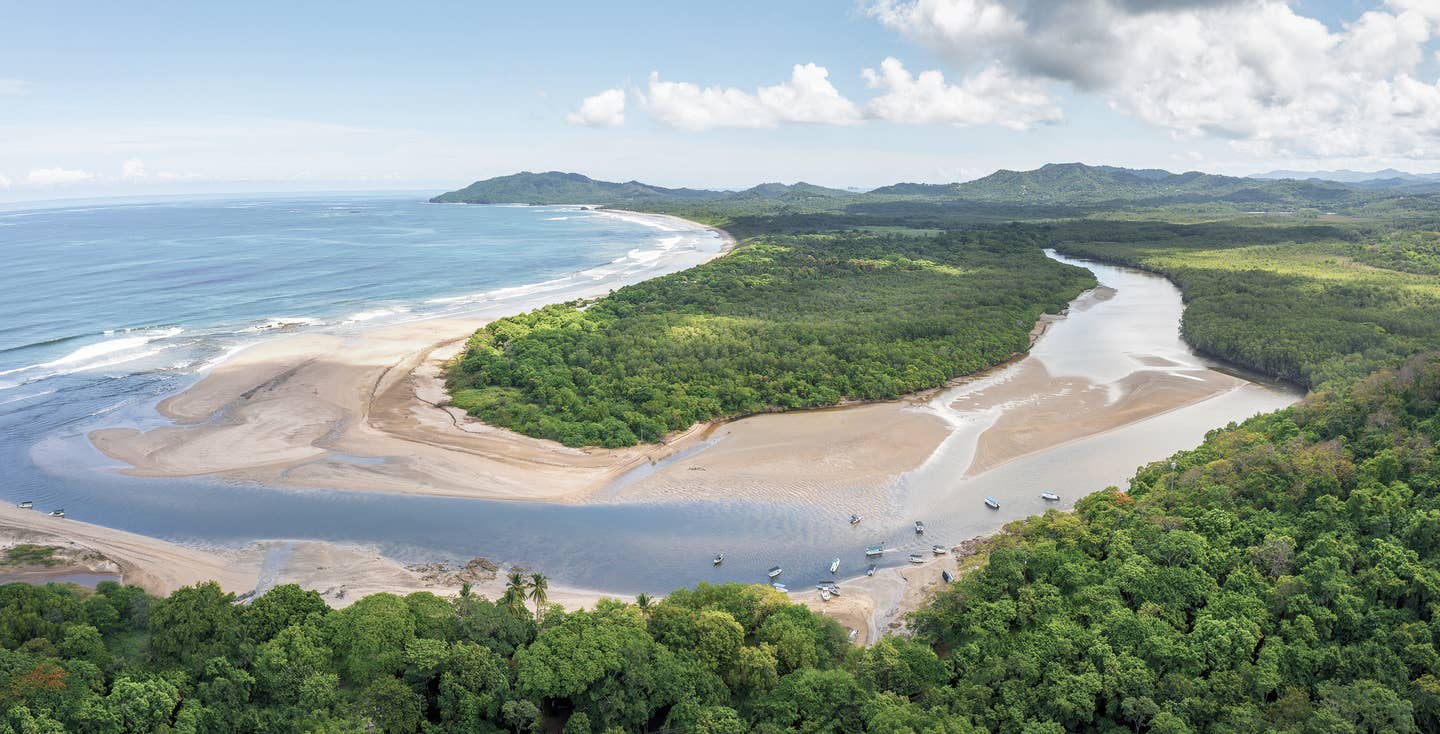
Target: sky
column 137, row 98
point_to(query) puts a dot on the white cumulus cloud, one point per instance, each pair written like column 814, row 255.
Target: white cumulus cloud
column 606, row 109
column 132, row 170
column 807, row 97
column 1256, row 72
column 992, row 96
column 14, row 86
column 4, row 182
column 58, row 176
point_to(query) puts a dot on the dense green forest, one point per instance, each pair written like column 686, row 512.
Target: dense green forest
column 1282, row 578
column 783, row 322
column 1316, row 304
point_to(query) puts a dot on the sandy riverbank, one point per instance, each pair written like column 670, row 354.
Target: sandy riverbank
column 877, row 605
column 340, row 573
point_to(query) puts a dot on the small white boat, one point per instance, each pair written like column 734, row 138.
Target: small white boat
column 919, row 527
column 775, row 571
column 1050, row 496
column 27, row 505
column 870, row 571
column 854, row 633
column 835, row 565
column 938, row 550
column 57, row 513
column 780, row 587
column 854, row 519
column 833, row 589
column 719, row 559
column 917, row 558
column 824, row 595
column 992, row 503
column 945, row 575
column 874, row 550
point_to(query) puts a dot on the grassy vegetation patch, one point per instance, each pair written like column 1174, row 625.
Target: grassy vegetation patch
column 27, row 554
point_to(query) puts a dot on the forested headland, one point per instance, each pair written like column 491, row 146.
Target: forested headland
column 785, row 321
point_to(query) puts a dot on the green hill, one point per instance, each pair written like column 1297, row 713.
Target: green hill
column 553, row 187
column 1077, row 183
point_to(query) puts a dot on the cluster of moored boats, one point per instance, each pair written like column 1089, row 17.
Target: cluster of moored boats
column 829, row 589
column 28, row 505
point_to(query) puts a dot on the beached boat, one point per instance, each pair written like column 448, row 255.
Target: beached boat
column 854, row 519
column 854, row 633
column 775, row 571
column 27, row 505
column 874, row 550
column 835, row 565
column 917, row 558
column 919, row 527
column 871, row 570
column 946, row 576
column 57, row 513
column 833, row 589
column 719, row 559
column 1050, row 496
column 992, row 503
column 779, row 587
column 938, row 550
column 824, row 595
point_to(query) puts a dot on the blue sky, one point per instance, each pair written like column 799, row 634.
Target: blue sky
column 133, row 98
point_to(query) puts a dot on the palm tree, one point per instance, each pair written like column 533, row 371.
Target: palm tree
column 642, row 600
column 538, row 586
column 514, row 590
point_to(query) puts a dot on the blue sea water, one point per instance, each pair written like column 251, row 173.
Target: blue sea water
column 102, row 290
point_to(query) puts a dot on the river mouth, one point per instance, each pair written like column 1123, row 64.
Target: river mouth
column 768, row 490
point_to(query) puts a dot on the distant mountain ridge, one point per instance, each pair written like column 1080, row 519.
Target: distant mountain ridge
column 1349, row 176
column 1067, row 184
column 1078, row 183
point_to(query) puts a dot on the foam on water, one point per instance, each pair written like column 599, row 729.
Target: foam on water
column 95, row 356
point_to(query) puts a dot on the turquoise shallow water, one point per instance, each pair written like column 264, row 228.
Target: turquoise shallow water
column 107, row 309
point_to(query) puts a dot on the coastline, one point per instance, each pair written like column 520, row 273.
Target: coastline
column 296, row 410
column 367, row 412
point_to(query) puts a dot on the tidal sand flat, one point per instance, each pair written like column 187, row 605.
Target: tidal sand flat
column 349, row 410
